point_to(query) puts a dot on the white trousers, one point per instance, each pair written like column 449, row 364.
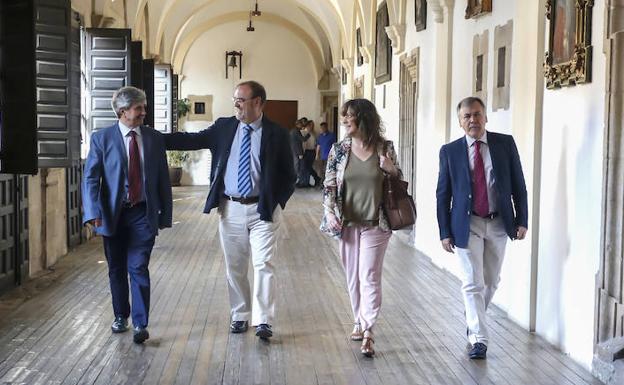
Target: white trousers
column 244, row 234
column 480, row 269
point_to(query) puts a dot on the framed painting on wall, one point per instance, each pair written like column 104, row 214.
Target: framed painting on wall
column 421, row 15
column 383, row 47
column 568, row 59
column 476, row 8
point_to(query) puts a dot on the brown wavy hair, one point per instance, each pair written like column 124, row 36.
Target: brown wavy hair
column 367, row 120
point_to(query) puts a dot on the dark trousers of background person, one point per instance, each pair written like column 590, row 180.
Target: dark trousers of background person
column 308, row 168
column 128, row 253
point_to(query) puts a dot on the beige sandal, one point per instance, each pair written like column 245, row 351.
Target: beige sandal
column 357, row 334
column 367, row 344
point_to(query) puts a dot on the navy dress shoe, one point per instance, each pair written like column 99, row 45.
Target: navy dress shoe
column 239, row 326
column 264, row 331
column 140, row 335
column 478, row 351
column 120, row 324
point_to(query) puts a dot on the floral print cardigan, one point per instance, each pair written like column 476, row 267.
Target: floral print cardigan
column 334, row 176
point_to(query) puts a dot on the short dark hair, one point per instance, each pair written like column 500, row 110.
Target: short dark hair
column 257, row 90
column 367, row 120
column 469, row 101
column 323, row 124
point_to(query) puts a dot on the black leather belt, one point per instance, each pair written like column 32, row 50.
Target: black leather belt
column 489, row 216
column 129, row 205
column 242, row 200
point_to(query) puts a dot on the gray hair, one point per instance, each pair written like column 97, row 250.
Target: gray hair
column 126, row 97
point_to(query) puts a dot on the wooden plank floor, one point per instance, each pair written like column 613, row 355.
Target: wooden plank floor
column 56, row 328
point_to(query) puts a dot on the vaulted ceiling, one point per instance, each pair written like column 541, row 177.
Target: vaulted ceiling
column 326, row 27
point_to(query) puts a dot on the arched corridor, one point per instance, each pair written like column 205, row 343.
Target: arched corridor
column 56, row 330
column 550, row 74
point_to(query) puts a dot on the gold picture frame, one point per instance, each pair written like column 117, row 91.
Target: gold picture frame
column 476, row 8
column 569, row 57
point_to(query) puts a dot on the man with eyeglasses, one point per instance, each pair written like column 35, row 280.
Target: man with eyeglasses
column 481, row 200
column 252, row 178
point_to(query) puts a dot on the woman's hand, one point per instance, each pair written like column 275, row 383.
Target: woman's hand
column 333, row 222
column 386, row 164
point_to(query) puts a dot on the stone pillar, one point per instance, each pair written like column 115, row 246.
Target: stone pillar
column 608, row 365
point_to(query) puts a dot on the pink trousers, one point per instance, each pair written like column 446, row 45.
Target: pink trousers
column 362, row 249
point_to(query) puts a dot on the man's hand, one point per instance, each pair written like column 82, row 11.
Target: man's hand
column 448, row 245
column 521, row 233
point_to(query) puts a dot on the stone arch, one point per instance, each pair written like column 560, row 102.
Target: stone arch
column 173, row 5
column 183, row 45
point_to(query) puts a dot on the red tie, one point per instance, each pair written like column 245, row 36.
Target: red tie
column 479, row 184
column 134, row 171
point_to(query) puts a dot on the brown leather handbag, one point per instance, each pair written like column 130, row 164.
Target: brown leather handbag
column 397, row 204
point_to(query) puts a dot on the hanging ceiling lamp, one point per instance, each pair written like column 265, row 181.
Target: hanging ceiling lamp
column 256, row 11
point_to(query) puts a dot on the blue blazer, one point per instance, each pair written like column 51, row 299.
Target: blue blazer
column 454, row 191
column 106, row 173
column 277, row 178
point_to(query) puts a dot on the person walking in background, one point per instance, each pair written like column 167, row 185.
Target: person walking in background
column 325, row 141
column 309, row 154
column 296, row 145
column 481, row 200
column 252, row 178
column 126, row 195
column 352, row 197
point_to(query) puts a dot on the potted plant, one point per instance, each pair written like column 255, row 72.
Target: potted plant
column 176, row 159
column 184, row 106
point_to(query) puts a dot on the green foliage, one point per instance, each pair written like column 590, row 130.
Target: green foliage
column 176, row 158
column 184, row 106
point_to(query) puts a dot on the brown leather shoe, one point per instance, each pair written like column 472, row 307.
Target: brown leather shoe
column 367, row 344
column 356, row 334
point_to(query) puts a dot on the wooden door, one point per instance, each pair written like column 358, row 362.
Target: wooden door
column 162, row 98
column 18, row 108
column 282, row 112
column 148, row 87
column 108, row 69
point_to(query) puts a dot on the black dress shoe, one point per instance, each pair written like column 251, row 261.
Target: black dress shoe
column 140, row 335
column 264, row 331
column 478, row 351
column 239, row 326
column 120, row 324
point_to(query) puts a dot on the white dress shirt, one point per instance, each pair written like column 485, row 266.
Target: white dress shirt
column 231, row 171
column 487, row 163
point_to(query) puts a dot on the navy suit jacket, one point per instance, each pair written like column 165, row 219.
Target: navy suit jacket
column 277, row 176
column 106, row 173
column 454, row 191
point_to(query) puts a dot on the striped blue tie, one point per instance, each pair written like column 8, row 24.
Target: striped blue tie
column 244, row 164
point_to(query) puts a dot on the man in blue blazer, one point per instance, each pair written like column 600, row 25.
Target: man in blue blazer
column 481, row 200
column 252, row 177
column 127, row 197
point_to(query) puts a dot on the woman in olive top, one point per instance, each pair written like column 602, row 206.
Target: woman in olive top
column 352, row 197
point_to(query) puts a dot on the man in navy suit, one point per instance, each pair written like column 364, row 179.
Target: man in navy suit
column 481, row 200
column 252, row 177
column 127, row 197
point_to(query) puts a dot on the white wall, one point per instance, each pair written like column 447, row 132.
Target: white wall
column 571, row 193
column 283, row 66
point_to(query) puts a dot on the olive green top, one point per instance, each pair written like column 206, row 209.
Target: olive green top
column 362, row 191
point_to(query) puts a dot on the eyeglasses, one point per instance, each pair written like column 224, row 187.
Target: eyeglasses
column 349, row 116
column 242, row 100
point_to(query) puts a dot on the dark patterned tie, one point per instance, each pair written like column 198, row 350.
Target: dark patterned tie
column 479, row 184
column 244, row 164
column 134, row 171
